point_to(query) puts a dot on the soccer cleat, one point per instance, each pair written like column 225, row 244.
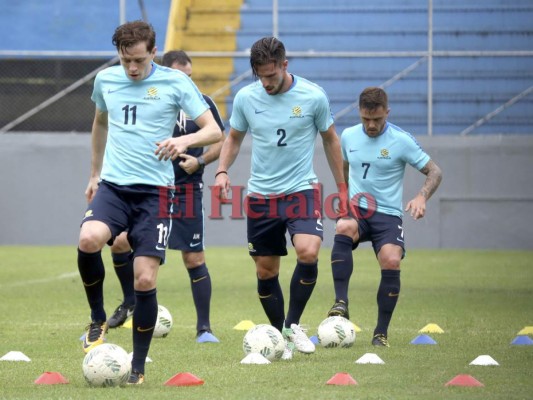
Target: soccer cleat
column 136, row 378
column 287, row 353
column 297, row 336
column 206, row 336
column 120, row 316
column 380, row 340
column 339, row 309
column 95, row 335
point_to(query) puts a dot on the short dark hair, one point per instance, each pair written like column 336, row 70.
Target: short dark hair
column 373, row 97
column 265, row 51
column 175, row 56
column 131, row 33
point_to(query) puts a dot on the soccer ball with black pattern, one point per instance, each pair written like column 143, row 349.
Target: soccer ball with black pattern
column 106, row 365
column 265, row 340
column 336, row 332
column 163, row 324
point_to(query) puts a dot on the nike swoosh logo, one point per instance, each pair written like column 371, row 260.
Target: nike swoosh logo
column 194, row 244
column 160, row 248
column 91, row 284
column 351, row 150
column 199, row 279
column 399, row 240
column 265, row 297
column 319, row 229
column 307, row 283
column 393, row 294
column 336, row 261
column 260, row 111
column 109, row 91
column 139, row 329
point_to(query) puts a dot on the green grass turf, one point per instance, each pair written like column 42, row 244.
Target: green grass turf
column 481, row 299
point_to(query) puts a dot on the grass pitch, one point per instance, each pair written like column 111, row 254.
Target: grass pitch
column 481, row 299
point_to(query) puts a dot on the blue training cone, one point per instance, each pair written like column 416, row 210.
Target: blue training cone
column 522, row 340
column 314, row 339
column 207, row 337
column 423, row 339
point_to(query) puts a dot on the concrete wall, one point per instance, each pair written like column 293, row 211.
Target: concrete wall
column 485, row 200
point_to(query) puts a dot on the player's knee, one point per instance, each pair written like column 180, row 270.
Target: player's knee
column 346, row 227
column 144, row 282
column 390, row 262
column 121, row 244
column 308, row 255
column 90, row 241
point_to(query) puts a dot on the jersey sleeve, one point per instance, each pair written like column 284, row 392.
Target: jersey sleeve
column 323, row 115
column 97, row 96
column 414, row 154
column 191, row 101
column 238, row 119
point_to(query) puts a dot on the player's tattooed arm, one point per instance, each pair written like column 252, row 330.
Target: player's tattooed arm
column 433, row 178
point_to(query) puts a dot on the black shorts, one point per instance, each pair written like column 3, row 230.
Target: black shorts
column 268, row 220
column 379, row 229
column 143, row 210
column 187, row 232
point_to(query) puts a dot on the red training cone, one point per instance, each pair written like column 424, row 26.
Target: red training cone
column 342, row 378
column 464, row 380
column 184, row 379
column 50, row 378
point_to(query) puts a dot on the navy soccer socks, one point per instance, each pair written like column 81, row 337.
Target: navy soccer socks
column 271, row 298
column 144, row 320
column 92, row 274
column 302, row 284
column 342, row 266
column 387, row 297
column 123, row 263
column 201, row 294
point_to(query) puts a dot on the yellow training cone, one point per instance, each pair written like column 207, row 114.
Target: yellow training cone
column 528, row 330
column 431, row 328
column 244, row 325
column 356, row 328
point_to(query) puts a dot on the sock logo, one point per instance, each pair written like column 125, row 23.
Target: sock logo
column 139, row 329
column 393, row 294
column 307, row 283
column 199, row 279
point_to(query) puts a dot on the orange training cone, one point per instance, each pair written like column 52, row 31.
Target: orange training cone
column 464, row 380
column 50, row 378
column 184, row 379
column 342, row 378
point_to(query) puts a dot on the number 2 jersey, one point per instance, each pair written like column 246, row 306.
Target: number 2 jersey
column 284, row 129
column 141, row 113
column 377, row 164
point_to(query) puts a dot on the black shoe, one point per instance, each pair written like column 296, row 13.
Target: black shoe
column 136, row 378
column 380, row 340
column 339, row 309
column 120, row 316
column 94, row 336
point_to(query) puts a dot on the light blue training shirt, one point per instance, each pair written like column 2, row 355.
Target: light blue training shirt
column 141, row 113
column 377, row 165
column 284, row 129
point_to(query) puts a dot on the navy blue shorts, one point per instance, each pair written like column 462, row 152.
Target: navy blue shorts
column 268, row 220
column 143, row 210
column 380, row 229
column 187, row 232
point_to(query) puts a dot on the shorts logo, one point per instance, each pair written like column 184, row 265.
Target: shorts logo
column 88, row 214
column 251, row 248
column 194, row 244
column 160, row 248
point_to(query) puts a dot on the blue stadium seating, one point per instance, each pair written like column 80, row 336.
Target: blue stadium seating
column 465, row 88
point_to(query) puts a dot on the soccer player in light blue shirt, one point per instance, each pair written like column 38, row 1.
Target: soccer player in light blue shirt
column 375, row 155
column 283, row 114
column 137, row 104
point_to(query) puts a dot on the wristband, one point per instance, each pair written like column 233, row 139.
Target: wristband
column 221, row 172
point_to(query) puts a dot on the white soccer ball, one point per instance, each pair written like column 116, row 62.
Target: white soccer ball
column 163, row 323
column 265, row 340
column 106, row 365
column 336, row 332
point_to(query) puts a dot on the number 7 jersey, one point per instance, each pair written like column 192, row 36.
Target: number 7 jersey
column 284, row 129
column 377, row 164
column 141, row 113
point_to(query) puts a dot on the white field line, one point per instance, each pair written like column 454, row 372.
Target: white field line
column 38, row 281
